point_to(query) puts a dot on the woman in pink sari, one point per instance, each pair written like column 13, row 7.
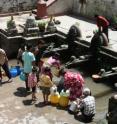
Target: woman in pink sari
column 75, row 82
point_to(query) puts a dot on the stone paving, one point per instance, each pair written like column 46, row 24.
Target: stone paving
column 16, row 106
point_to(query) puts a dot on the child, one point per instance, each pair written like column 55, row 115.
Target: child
column 46, row 83
column 32, row 82
column 19, row 55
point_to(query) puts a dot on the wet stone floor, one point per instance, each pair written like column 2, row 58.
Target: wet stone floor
column 16, row 106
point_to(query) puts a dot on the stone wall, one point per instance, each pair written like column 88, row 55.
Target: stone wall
column 107, row 8
column 60, row 7
column 16, row 5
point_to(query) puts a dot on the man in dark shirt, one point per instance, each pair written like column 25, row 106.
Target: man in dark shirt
column 102, row 24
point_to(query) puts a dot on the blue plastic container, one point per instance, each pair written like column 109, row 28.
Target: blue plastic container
column 22, row 76
column 21, row 69
column 13, row 72
column 18, row 70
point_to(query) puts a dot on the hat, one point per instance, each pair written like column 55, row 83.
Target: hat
column 86, row 91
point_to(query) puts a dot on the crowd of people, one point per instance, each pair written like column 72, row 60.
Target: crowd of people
column 43, row 74
column 46, row 74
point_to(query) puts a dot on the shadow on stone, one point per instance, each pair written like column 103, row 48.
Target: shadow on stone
column 27, row 102
column 4, row 82
column 71, row 112
column 62, row 108
column 53, row 105
column 81, row 118
column 41, row 104
column 21, row 92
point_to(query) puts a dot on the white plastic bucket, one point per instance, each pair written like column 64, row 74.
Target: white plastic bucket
column 73, row 106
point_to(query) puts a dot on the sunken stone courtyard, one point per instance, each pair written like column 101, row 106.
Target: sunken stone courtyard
column 72, row 32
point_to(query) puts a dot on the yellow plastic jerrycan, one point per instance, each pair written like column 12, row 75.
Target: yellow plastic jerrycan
column 54, row 98
column 63, row 101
